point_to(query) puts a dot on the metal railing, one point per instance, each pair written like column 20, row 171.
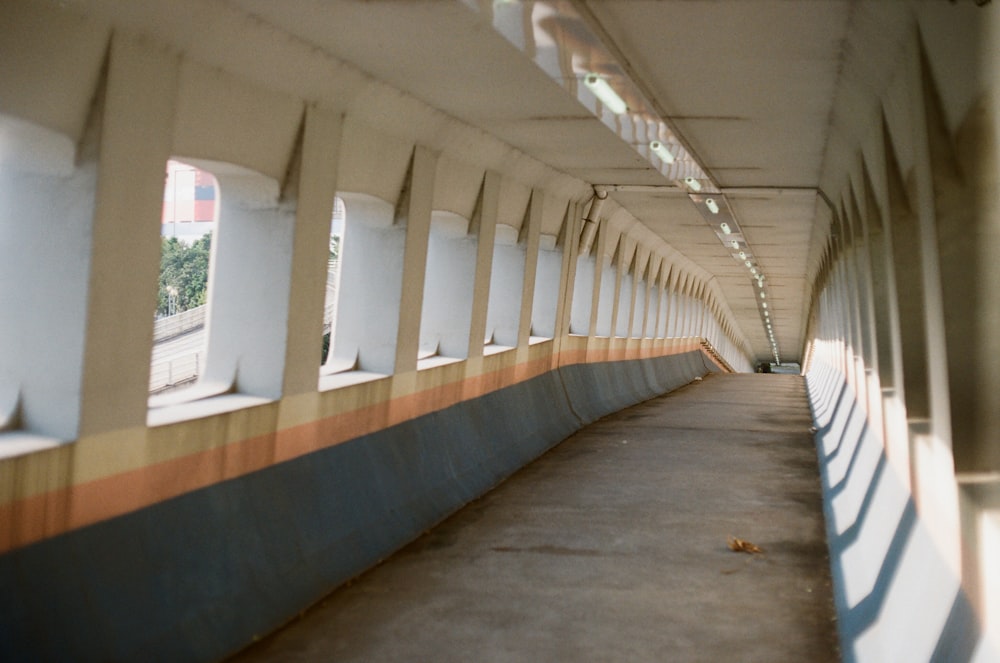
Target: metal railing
column 175, row 371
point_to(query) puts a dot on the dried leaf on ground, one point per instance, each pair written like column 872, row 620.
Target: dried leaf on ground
column 739, row 545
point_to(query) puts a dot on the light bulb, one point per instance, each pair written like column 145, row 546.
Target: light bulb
column 660, row 150
column 605, row 93
column 694, row 184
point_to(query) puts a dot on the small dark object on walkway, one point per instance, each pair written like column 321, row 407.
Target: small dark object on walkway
column 739, row 545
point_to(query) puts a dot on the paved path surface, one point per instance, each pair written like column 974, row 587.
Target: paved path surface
column 613, row 547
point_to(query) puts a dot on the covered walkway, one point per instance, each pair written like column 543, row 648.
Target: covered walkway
column 614, row 546
column 543, row 212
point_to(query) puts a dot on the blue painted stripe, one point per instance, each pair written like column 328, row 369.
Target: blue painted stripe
column 196, row 577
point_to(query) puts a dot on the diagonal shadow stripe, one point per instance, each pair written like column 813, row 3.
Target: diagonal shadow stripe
column 847, row 538
column 823, row 430
column 860, row 617
column 847, row 423
column 828, row 428
column 837, row 489
column 960, row 634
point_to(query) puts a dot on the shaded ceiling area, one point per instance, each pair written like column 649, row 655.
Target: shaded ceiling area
column 748, row 88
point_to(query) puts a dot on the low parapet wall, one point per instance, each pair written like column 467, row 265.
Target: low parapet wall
column 200, row 575
column 181, row 323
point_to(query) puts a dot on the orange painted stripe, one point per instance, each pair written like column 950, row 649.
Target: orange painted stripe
column 38, row 517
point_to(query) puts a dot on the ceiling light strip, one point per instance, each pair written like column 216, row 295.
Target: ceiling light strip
column 717, row 213
column 567, row 42
column 563, row 39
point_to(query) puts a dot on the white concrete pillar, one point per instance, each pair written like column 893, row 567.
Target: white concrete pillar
column 135, row 142
column 570, row 244
column 530, row 236
column 483, row 229
column 935, row 348
column 607, row 283
column 663, row 308
column 317, row 180
column 624, row 291
column 504, row 256
column 415, row 212
column 654, row 299
column 587, row 290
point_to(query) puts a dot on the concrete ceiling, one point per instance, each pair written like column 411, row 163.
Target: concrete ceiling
column 747, row 85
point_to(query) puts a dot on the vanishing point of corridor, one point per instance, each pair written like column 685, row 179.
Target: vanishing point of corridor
column 614, row 546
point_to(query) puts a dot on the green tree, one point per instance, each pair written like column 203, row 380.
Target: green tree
column 183, row 271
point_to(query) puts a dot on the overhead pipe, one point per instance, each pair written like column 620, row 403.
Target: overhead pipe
column 591, row 221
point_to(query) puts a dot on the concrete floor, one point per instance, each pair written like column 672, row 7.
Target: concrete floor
column 613, row 547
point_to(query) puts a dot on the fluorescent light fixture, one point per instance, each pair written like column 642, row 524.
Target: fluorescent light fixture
column 694, row 184
column 605, row 93
column 660, row 150
column 725, row 229
column 712, row 206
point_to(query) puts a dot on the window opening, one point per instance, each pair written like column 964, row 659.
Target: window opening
column 506, row 287
column 446, row 313
column 662, row 311
column 333, row 279
column 365, row 320
column 583, row 295
column 641, row 298
column 179, row 335
column 546, row 295
column 623, row 323
column 606, row 300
